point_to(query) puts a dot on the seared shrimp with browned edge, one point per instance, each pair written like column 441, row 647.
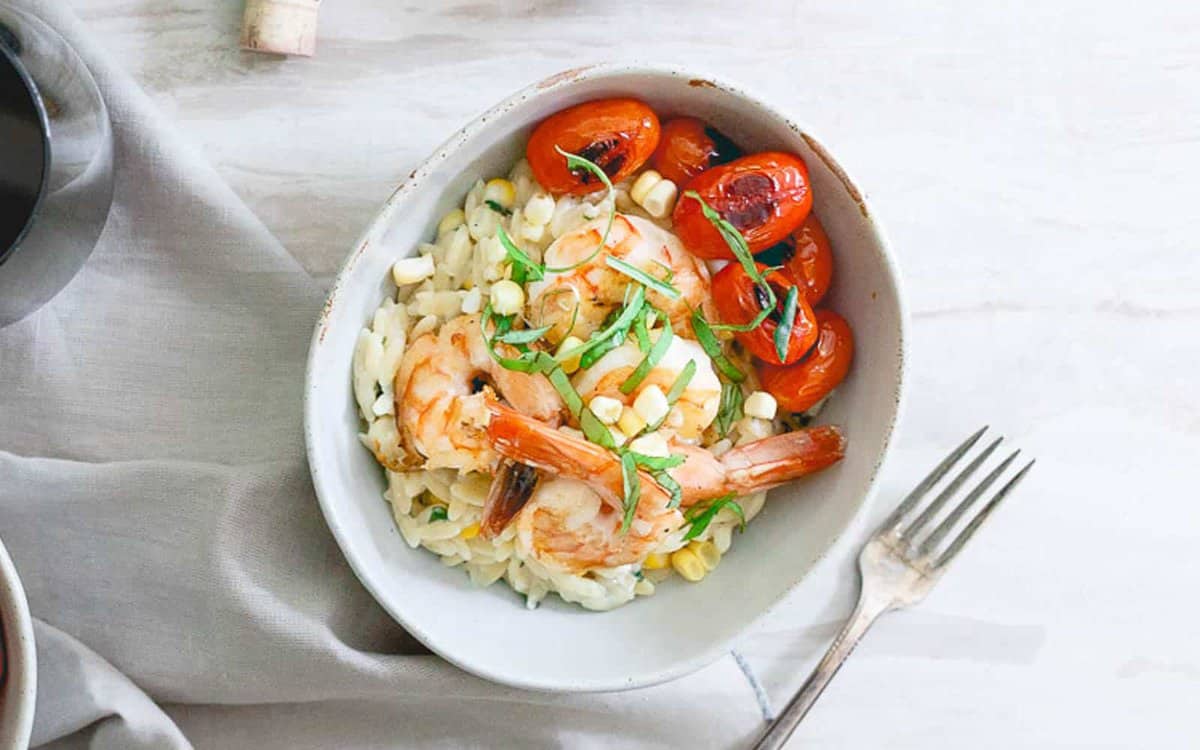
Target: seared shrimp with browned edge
column 576, row 299
column 758, row 465
column 440, row 390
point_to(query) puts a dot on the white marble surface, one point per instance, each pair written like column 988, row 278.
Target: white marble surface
column 1035, row 169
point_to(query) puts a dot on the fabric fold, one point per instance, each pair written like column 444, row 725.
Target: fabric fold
column 155, row 498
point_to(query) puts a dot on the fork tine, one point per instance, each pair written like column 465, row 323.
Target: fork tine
column 980, row 517
column 940, row 501
column 952, row 518
column 933, row 478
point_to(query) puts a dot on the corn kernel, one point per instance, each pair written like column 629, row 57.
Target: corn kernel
column 607, row 410
column 572, row 364
column 661, row 199
column 469, row 532
column 508, row 298
column 686, row 564
column 451, row 221
column 412, row 270
column 501, row 191
column 651, row 404
column 752, row 428
column 707, row 553
column 656, row 561
column 643, row 185
column 630, row 423
column 539, row 209
column 651, row 444
column 644, row 588
column 760, row 404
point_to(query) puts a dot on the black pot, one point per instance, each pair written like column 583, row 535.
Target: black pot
column 56, row 159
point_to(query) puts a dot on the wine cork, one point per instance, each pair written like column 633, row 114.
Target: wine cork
column 285, row 27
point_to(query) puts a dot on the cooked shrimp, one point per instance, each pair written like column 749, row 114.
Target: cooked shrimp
column 440, row 389
column 596, row 289
column 698, row 402
column 568, row 526
column 758, row 465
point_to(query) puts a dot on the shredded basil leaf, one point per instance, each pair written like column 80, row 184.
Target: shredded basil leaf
column 701, row 517
column 579, row 162
column 595, row 431
column 640, row 276
column 732, row 237
column 641, row 329
column 526, row 336
column 681, row 382
column 504, row 323
column 744, row 327
column 737, row 243
column 656, row 463
column 592, row 356
column 783, row 332
column 617, row 330
column 558, row 378
column 524, row 267
column 712, row 347
column 650, row 361
column 631, row 485
column 438, row 513
column 668, row 483
column 497, row 208
column 730, row 409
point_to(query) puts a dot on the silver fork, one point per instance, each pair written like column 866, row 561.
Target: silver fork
column 900, row 564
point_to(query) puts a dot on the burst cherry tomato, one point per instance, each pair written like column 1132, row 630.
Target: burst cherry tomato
column 739, row 300
column 766, row 196
column 619, row 135
column 688, row 147
column 800, row 386
column 806, row 257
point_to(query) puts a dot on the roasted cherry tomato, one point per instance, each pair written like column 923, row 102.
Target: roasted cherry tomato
column 688, row 147
column 766, row 196
column 619, row 135
column 800, row 386
column 739, row 300
column 806, row 257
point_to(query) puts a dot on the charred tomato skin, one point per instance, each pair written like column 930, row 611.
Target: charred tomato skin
column 619, row 135
column 689, row 146
column 800, row 386
column 739, row 300
column 765, row 195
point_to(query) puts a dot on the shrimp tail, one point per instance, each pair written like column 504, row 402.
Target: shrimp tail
column 534, row 443
column 778, row 459
column 512, row 487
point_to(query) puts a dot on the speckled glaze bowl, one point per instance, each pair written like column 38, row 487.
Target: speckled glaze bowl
column 18, row 686
column 682, row 627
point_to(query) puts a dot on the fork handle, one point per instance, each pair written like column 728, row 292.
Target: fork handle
column 865, row 613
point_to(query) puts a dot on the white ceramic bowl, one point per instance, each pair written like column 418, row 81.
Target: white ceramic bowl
column 19, row 687
column 682, row 627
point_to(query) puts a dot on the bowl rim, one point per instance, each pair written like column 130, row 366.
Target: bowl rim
column 547, row 86
column 16, row 630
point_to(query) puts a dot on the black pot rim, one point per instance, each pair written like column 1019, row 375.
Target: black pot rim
column 44, row 119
